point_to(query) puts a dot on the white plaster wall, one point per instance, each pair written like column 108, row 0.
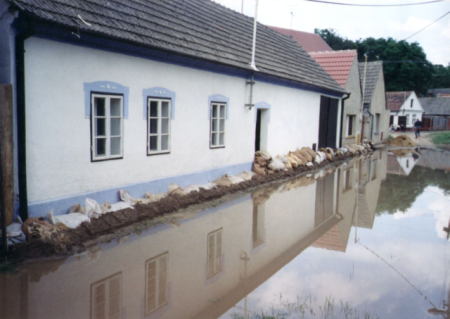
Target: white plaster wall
column 378, row 105
column 416, row 109
column 58, row 134
column 294, row 117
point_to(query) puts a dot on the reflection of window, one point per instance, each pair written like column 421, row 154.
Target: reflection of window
column 217, row 138
column 158, row 126
column 377, row 123
column 214, row 252
column 106, row 298
column 106, row 126
column 374, row 169
column 156, row 283
column 407, row 163
column 350, row 125
column 258, row 225
column 347, row 177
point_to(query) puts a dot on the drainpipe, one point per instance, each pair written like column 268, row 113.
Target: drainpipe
column 255, row 22
column 342, row 117
column 21, row 118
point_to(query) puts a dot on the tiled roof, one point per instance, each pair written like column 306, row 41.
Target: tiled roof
column 435, row 105
column 200, row 29
column 439, row 92
column 372, row 74
column 395, row 100
column 337, row 63
column 310, row 42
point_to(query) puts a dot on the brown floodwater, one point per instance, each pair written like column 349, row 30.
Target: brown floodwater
column 365, row 240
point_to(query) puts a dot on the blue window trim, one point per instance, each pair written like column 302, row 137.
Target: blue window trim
column 220, row 99
column 159, row 92
column 104, row 87
column 262, row 106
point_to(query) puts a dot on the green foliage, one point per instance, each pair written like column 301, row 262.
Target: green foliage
column 405, row 65
column 440, row 137
column 398, row 192
column 441, row 77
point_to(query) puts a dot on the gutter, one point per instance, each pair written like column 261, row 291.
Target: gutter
column 342, row 117
column 24, row 31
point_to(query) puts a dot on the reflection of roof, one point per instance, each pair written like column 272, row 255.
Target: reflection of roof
column 197, row 29
column 393, row 166
column 435, row 160
column 395, row 100
column 362, row 215
column 435, row 105
column 337, row 63
column 331, row 240
column 309, row 41
column 373, row 71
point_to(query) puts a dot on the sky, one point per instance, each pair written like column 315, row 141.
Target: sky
column 360, row 22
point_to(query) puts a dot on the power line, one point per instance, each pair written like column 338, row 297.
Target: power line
column 374, row 5
column 426, row 26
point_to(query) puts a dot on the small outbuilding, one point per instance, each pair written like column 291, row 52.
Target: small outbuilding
column 405, row 108
column 436, row 114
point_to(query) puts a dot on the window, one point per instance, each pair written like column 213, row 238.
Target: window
column 217, row 137
column 158, row 126
column 412, row 102
column 106, row 298
column 156, row 292
column 374, row 169
column 350, row 125
column 214, row 252
column 377, row 123
column 347, row 180
column 407, row 119
column 107, row 126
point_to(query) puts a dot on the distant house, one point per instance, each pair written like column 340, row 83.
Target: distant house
column 138, row 95
column 343, row 67
column 438, row 92
column 310, row 42
column 405, row 108
column 436, row 114
column 375, row 114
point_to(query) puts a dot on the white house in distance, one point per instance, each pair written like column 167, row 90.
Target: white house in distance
column 136, row 96
column 405, row 108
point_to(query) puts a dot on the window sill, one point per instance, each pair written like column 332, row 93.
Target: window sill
column 94, row 160
column 350, row 136
column 376, row 133
column 216, row 147
column 158, row 153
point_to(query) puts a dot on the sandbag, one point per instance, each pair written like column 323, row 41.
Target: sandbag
column 310, row 151
column 305, row 154
column 265, row 154
column 293, row 162
column 72, row 220
column 93, row 209
column 258, row 169
column 246, row 176
column 276, row 165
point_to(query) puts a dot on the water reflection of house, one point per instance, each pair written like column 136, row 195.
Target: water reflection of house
column 371, row 173
column 401, row 165
column 198, row 270
column 435, row 160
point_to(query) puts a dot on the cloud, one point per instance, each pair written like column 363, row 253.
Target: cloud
column 412, row 24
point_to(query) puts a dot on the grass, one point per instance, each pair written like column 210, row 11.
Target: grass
column 440, row 137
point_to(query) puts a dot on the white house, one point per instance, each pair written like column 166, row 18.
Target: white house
column 405, row 108
column 111, row 95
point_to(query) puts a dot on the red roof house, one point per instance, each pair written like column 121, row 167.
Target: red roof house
column 310, row 42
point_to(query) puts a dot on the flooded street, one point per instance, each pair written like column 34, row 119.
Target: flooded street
column 366, row 240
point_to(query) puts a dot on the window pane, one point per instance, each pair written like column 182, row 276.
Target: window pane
column 213, row 139
column 153, row 108
column 154, row 126
column 165, row 143
column 165, row 109
column 222, row 126
column 214, row 110
column 214, row 125
column 222, row 138
column 115, row 146
column 99, row 106
column 222, row 111
column 115, row 126
column 100, row 146
column 165, row 126
column 100, row 127
column 153, row 143
column 115, row 107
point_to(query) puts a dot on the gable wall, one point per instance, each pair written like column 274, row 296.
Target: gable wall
column 352, row 104
column 59, row 168
column 409, row 111
column 378, row 106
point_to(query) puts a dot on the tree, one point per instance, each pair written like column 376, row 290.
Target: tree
column 335, row 41
column 441, row 77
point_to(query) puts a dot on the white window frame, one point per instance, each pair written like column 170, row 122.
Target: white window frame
column 107, row 127
column 103, row 304
column 214, row 253
column 156, row 285
column 159, row 118
column 352, row 126
column 219, row 120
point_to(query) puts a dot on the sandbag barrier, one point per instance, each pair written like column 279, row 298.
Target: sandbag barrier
column 59, row 236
